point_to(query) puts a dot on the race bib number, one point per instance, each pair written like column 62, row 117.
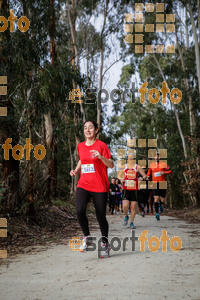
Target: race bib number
column 87, row 168
column 113, row 193
column 157, row 174
column 130, row 183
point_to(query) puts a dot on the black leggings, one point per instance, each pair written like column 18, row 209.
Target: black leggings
column 100, row 202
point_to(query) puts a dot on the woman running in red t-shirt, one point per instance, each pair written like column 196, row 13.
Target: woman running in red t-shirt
column 95, row 158
column 129, row 175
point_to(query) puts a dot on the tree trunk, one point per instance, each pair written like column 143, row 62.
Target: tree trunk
column 75, row 63
column 101, row 67
column 52, row 29
column 198, row 4
column 186, row 30
column 196, row 46
column 75, row 60
column 10, row 168
column 179, row 129
column 48, row 130
column 186, row 83
column 51, row 142
column 31, row 210
column 72, row 165
column 175, row 112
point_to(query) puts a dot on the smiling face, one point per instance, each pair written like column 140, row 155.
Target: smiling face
column 130, row 157
column 89, row 130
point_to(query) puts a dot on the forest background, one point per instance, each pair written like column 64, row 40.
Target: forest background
column 77, row 45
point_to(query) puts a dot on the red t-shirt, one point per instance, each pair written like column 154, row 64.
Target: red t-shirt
column 156, row 168
column 94, row 176
column 130, row 178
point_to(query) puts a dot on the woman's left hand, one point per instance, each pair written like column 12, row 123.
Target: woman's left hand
column 96, row 154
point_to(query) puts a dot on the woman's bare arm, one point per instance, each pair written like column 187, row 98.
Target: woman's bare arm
column 108, row 162
column 77, row 169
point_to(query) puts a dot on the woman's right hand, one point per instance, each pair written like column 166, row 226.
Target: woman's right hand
column 72, row 173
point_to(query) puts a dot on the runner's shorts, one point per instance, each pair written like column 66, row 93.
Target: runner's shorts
column 130, row 195
column 159, row 192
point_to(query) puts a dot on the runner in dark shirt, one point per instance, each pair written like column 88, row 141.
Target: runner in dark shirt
column 112, row 195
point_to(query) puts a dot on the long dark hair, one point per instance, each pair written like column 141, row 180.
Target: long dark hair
column 119, row 182
column 95, row 125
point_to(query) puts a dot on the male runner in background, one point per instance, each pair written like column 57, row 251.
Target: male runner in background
column 158, row 170
column 143, row 195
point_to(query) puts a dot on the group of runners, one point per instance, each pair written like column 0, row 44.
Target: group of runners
column 144, row 196
column 94, row 159
column 115, row 196
column 137, row 190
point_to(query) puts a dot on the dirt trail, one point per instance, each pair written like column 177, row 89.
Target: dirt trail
column 63, row 274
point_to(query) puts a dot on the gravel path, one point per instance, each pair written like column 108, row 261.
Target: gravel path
column 60, row 273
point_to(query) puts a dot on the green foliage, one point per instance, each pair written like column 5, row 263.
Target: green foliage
column 37, row 86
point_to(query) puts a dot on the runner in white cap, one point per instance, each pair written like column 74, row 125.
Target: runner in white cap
column 129, row 173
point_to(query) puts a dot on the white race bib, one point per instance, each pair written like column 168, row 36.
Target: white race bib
column 87, row 168
column 157, row 174
column 130, row 183
column 113, row 193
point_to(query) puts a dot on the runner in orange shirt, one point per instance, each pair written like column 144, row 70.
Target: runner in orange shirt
column 158, row 170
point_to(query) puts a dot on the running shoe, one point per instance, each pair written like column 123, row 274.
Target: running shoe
column 105, row 252
column 132, row 225
column 142, row 214
column 126, row 220
column 151, row 213
column 87, row 241
column 157, row 216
